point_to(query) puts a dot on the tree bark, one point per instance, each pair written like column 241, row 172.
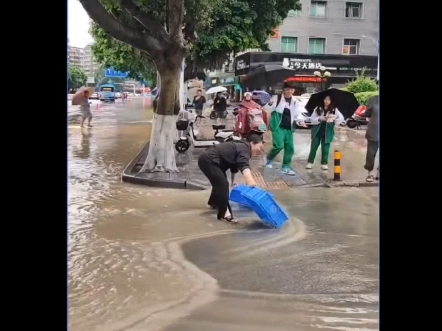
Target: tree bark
column 161, row 155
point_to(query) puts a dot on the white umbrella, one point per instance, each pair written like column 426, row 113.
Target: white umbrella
column 216, row 89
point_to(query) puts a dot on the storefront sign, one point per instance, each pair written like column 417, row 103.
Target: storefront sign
column 228, row 80
column 224, row 81
column 293, row 63
column 307, row 79
column 241, row 64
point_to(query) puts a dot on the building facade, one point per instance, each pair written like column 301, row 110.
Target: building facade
column 75, row 56
column 89, row 66
column 330, row 27
column 342, row 68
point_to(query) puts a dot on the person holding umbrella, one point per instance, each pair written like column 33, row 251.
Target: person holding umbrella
column 324, row 118
column 284, row 115
column 82, row 98
column 219, row 105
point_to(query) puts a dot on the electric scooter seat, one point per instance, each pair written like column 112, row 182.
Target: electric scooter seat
column 218, row 127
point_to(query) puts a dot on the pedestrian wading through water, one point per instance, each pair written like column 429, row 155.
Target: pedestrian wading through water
column 233, row 156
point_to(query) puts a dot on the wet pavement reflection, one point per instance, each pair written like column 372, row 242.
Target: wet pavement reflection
column 127, row 270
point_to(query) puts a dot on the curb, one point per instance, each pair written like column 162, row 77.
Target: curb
column 129, row 176
column 332, row 184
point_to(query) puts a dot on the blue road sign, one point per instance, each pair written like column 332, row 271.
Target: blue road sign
column 111, row 73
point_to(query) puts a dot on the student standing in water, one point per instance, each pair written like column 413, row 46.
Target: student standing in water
column 283, row 116
column 324, row 118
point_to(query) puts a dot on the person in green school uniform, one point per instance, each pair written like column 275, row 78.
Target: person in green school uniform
column 324, row 118
column 286, row 112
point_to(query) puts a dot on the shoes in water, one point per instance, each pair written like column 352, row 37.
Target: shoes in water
column 229, row 219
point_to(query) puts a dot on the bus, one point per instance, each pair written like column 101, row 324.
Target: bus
column 107, row 92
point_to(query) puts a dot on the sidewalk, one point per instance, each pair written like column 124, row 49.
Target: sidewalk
column 352, row 145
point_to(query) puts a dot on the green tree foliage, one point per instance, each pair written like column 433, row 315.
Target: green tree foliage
column 238, row 25
column 110, row 52
column 361, row 84
column 164, row 32
column 363, row 97
column 76, row 77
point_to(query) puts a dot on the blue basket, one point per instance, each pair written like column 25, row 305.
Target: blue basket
column 262, row 203
column 236, row 195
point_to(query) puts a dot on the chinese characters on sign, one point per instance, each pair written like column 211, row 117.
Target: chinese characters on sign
column 111, row 73
column 301, row 79
column 300, row 64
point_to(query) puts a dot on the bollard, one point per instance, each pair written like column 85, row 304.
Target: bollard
column 337, row 168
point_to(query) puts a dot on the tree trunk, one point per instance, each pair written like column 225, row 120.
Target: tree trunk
column 161, row 155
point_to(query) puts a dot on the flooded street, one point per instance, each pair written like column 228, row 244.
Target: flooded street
column 146, row 259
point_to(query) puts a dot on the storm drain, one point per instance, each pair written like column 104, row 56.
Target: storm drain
column 259, row 179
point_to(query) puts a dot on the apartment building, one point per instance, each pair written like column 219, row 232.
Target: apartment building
column 89, row 65
column 75, row 56
column 330, row 27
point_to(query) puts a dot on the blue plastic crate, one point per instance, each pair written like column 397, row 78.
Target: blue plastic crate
column 236, row 195
column 262, row 203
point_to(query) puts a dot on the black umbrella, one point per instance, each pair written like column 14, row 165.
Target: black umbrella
column 268, row 75
column 345, row 101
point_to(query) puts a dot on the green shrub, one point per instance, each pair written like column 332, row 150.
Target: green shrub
column 361, row 84
column 362, row 97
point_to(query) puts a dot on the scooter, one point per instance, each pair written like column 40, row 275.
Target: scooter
column 358, row 118
column 213, row 114
column 189, row 134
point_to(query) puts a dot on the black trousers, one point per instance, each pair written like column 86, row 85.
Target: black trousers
column 372, row 150
column 219, row 198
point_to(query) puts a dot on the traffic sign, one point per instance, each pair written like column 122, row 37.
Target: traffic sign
column 110, row 72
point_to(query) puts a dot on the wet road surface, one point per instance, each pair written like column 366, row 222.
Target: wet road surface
column 127, row 270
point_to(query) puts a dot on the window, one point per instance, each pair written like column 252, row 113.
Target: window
column 316, row 46
column 351, row 47
column 317, row 8
column 289, row 44
column 294, row 13
column 353, row 10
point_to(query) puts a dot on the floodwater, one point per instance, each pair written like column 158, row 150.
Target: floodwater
column 154, row 259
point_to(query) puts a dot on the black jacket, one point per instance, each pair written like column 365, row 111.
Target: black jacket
column 221, row 105
column 233, row 155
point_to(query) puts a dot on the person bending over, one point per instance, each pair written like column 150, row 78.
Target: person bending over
column 233, row 156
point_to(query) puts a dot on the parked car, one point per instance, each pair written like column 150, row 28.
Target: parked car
column 94, row 96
